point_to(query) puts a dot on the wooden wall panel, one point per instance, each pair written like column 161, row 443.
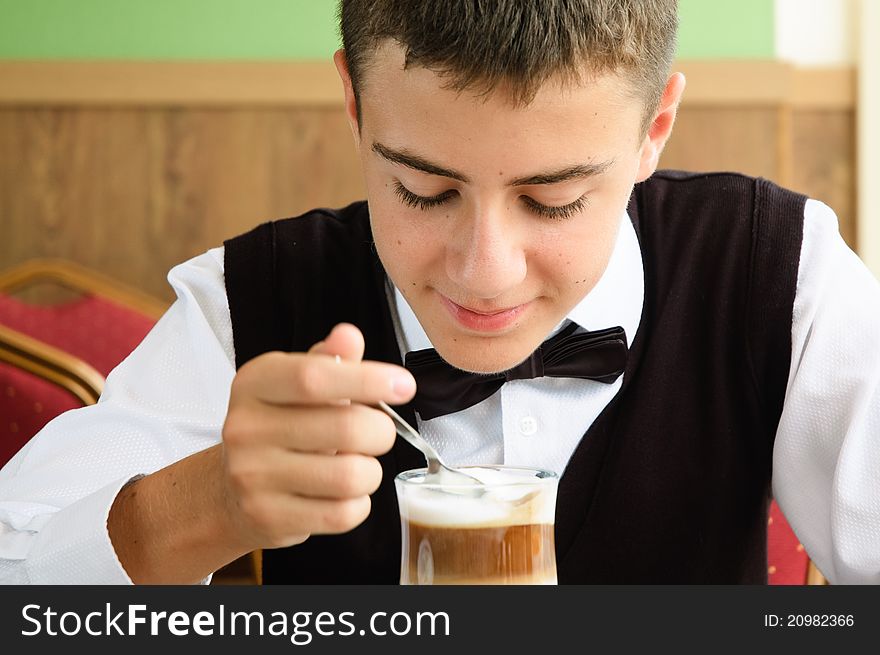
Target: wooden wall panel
column 824, row 156
column 723, row 138
column 132, row 182
column 131, row 192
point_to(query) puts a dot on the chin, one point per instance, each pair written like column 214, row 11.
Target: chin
column 482, row 359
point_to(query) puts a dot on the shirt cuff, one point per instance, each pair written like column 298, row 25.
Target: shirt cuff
column 75, row 547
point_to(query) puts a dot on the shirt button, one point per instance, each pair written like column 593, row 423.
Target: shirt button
column 528, row 425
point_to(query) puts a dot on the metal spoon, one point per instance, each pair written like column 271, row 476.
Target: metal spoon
column 438, row 472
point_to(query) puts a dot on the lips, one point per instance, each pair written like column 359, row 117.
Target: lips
column 481, row 320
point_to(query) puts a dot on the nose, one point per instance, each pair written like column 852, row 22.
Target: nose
column 485, row 255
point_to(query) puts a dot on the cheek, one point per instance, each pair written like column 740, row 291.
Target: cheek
column 407, row 248
column 576, row 261
column 407, row 252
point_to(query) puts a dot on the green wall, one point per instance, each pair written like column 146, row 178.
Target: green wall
column 717, row 29
column 167, row 29
column 280, row 29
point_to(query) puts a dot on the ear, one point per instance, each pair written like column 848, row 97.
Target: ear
column 350, row 103
column 661, row 127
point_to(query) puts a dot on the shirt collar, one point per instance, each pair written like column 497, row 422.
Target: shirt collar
column 616, row 299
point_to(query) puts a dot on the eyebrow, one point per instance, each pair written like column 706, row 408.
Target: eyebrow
column 404, row 158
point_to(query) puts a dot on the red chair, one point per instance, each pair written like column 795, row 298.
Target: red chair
column 48, row 344
column 38, row 382
column 97, row 320
column 787, row 561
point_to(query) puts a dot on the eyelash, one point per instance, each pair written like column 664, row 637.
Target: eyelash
column 556, row 213
column 420, row 202
column 424, row 203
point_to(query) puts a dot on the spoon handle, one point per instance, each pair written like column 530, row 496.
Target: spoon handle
column 436, row 468
column 406, row 431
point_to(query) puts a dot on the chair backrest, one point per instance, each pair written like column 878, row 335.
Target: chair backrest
column 80, row 278
column 787, row 561
column 37, row 383
column 101, row 324
column 54, row 355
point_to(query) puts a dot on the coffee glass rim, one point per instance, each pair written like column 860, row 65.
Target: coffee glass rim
column 543, row 476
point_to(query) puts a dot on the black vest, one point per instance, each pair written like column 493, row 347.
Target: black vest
column 671, row 482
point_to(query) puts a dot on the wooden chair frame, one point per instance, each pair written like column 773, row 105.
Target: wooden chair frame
column 814, row 575
column 49, row 363
column 81, row 279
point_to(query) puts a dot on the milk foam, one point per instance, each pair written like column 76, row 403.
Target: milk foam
column 510, row 498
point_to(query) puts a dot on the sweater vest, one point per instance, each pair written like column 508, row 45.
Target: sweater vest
column 670, row 484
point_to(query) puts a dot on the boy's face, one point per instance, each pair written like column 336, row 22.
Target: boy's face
column 494, row 221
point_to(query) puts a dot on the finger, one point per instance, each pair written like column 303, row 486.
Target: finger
column 353, row 428
column 345, row 340
column 297, row 378
column 309, row 474
column 330, row 516
column 284, row 519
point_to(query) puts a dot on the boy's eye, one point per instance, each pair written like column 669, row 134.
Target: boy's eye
column 420, row 202
column 546, row 211
column 558, row 213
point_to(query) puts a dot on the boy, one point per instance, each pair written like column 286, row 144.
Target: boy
column 509, row 154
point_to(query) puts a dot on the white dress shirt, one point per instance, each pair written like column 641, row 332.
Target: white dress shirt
column 168, row 399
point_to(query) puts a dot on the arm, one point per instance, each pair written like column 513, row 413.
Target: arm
column 826, row 459
column 298, row 457
column 170, row 527
column 272, row 480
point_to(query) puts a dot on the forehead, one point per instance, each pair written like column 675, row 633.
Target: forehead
column 415, row 108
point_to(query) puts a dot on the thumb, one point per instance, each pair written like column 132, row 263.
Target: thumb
column 345, row 340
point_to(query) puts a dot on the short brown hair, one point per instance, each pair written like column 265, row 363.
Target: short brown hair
column 480, row 44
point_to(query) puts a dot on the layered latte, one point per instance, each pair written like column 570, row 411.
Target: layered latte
column 497, row 533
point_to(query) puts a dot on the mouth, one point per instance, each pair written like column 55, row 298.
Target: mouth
column 483, row 319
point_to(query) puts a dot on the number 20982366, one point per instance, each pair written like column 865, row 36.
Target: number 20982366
column 809, row 620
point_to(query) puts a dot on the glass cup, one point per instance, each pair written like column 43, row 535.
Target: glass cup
column 498, row 533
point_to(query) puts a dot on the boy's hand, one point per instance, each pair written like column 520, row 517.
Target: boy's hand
column 300, row 439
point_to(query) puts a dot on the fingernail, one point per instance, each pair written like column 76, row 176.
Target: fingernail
column 403, row 386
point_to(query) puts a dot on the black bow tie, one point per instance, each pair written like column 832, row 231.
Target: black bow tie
column 444, row 389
